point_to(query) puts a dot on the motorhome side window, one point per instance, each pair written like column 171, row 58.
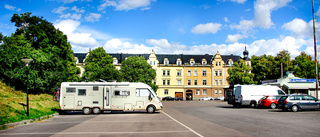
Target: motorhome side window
column 71, row 90
column 81, row 92
column 280, row 92
column 142, row 92
column 122, row 92
column 95, row 88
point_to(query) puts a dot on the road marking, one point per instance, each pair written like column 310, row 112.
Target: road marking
column 91, row 133
column 182, row 124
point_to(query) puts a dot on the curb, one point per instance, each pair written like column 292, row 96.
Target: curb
column 24, row 122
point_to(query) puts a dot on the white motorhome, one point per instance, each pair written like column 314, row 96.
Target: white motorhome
column 107, row 96
column 250, row 94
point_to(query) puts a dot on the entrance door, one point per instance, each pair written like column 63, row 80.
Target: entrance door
column 179, row 94
column 106, row 98
column 68, row 101
column 189, row 95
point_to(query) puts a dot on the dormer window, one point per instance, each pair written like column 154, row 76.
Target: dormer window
column 179, row 62
column 204, row 62
column 230, row 62
column 115, row 61
column 166, row 62
column 192, row 62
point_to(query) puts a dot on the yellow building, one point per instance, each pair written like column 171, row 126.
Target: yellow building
column 186, row 76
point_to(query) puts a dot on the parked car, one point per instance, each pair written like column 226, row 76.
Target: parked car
column 172, row 99
column 177, row 98
column 297, row 102
column 219, row 98
column 206, row 98
column 168, row 99
column 269, row 101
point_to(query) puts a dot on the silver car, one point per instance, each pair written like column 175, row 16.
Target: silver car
column 297, row 102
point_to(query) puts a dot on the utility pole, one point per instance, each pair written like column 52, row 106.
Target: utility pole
column 315, row 49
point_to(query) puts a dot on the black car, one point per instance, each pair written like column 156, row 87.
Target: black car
column 171, row 99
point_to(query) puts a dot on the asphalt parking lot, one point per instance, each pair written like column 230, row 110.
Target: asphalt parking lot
column 178, row 118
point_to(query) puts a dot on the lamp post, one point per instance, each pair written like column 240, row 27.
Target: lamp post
column 27, row 61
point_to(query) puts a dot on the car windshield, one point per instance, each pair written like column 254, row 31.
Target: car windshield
column 283, row 98
column 264, row 97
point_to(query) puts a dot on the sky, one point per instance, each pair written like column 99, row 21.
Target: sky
column 177, row 26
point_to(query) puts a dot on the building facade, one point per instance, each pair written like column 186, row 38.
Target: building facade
column 187, row 76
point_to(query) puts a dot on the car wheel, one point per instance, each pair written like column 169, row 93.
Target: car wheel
column 86, row 111
column 151, row 109
column 273, row 105
column 96, row 110
column 253, row 104
column 294, row 108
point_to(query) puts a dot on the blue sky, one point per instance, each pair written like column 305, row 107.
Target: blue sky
column 176, row 26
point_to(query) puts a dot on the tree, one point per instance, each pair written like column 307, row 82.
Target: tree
column 240, row 74
column 137, row 69
column 304, row 66
column 283, row 57
column 264, row 68
column 53, row 61
column 99, row 66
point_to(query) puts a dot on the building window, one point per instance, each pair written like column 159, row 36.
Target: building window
column 191, row 63
column 154, row 62
column 166, row 62
column 195, row 72
column 216, row 73
column 189, row 82
column 166, row 91
column 164, row 82
column 220, row 82
column 204, row 82
column 204, row 92
column 195, row 82
column 179, row 73
column 220, row 92
column 168, row 82
column 189, row 72
column 115, row 61
column 178, row 82
column 216, row 82
column 216, row 91
column 179, row 62
column 216, row 63
column 164, row 73
column 204, row 73
column 168, row 73
column 219, row 63
column 220, row 73
column 204, row 63
column 197, row 91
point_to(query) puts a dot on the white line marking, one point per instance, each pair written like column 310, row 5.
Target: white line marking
column 90, row 133
column 182, row 124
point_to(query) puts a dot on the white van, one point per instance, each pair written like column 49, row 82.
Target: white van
column 99, row 96
column 250, row 94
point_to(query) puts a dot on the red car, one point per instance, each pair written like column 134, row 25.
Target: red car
column 269, row 101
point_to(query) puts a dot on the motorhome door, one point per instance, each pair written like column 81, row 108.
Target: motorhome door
column 106, row 98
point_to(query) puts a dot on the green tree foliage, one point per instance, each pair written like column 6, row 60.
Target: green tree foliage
column 137, row 69
column 240, row 74
column 264, row 68
column 53, row 61
column 284, row 58
column 99, row 66
column 304, row 66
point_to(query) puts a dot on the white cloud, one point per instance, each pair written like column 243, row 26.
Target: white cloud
column 235, row 38
column 11, row 8
column 76, row 9
column 126, row 4
column 117, row 46
column 206, row 28
column 300, row 28
column 239, row 1
column 262, row 11
column 226, row 19
column 78, row 40
column 60, row 10
column 93, row 17
column 162, row 43
column 262, row 15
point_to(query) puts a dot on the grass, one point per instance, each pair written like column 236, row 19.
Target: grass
column 12, row 111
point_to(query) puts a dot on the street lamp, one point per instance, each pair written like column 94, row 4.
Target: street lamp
column 27, row 61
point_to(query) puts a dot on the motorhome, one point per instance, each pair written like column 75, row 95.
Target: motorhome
column 250, row 94
column 94, row 97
